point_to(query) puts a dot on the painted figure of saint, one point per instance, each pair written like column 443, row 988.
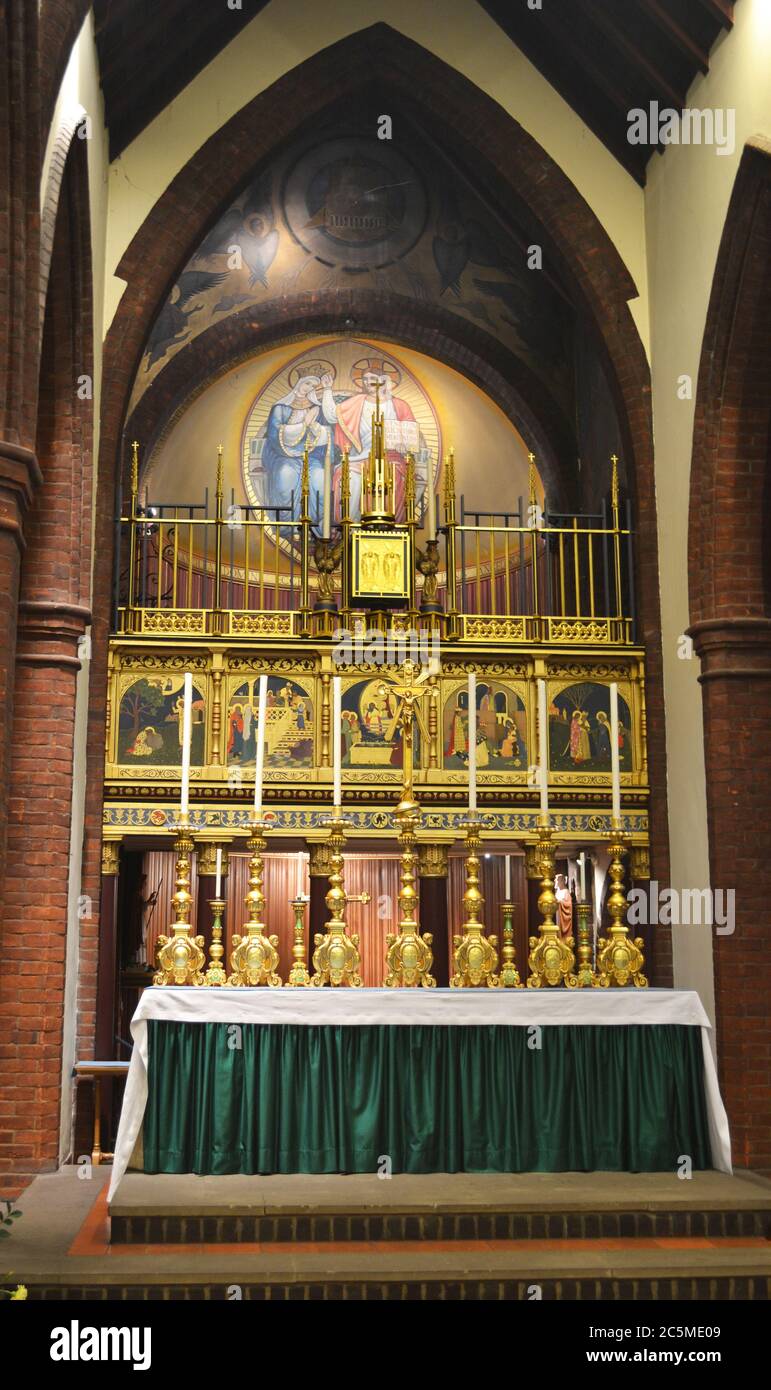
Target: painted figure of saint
column 374, row 377
column 564, row 905
column 303, row 419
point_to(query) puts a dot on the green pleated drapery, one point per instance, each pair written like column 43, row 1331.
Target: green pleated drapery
column 329, row 1099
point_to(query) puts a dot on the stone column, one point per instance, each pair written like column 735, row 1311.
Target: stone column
column 432, row 872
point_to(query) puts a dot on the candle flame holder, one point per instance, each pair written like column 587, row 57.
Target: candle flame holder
column 620, row 959
column 254, row 958
column 336, row 959
column 474, row 956
column 409, row 957
column 509, row 975
column 299, row 975
column 180, row 956
column 551, row 958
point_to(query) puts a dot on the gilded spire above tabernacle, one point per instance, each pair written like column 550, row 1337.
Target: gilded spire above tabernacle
column 377, row 492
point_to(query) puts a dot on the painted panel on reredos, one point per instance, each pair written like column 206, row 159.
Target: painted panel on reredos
column 150, row 722
column 501, row 729
column 371, row 737
column 579, row 729
column 288, row 724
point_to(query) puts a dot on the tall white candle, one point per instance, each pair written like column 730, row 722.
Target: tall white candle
column 219, row 871
column 260, row 753
column 326, row 514
column 615, row 764
column 337, row 758
column 472, row 743
column 430, row 501
column 187, row 729
column 508, row 878
column 299, row 874
column 543, row 746
column 582, row 873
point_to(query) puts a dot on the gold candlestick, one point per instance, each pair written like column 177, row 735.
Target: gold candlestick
column 551, row 958
column 585, row 972
column 254, row 958
column 216, row 973
column 409, row 957
column 180, row 956
column 475, row 956
column 509, row 975
column 336, row 958
column 619, row 958
column 299, row 975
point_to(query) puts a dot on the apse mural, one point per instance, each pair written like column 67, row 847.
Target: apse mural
column 338, row 211
column 325, row 403
column 150, row 723
column 288, row 724
column 501, row 729
column 579, row 730
column 370, row 736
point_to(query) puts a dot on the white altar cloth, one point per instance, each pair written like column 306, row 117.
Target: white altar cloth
column 359, row 1008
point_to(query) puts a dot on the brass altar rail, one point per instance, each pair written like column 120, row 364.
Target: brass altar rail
column 251, row 572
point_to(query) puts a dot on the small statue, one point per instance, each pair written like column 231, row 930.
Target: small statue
column 327, row 555
column 427, row 563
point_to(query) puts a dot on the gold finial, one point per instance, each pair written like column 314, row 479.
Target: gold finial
column 449, row 476
column 220, row 473
column 614, row 480
column 345, row 486
column 410, row 479
column 305, row 476
column 134, row 467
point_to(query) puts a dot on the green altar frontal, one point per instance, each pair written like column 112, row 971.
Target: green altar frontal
column 451, row 1081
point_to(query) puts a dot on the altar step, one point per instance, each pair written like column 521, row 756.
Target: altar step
column 178, row 1210
column 635, row 1242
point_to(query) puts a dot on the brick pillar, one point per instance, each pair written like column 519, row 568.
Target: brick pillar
column 736, row 689
column 432, row 872
column 318, row 912
column 19, row 477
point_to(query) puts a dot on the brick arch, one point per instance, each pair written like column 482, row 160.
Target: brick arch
column 53, row 616
column 730, row 595
column 433, row 330
column 506, row 160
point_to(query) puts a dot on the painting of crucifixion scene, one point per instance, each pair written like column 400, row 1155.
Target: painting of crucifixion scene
column 288, row 724
column 324, row 404
column 579, row 730
column 371, row 736
column 150, row 729
column 501, row 729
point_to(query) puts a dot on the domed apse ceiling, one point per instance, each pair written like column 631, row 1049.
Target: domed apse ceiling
column 439, row 409
column 338, row 211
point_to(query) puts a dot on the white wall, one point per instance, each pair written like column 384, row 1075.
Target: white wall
column 686, row 200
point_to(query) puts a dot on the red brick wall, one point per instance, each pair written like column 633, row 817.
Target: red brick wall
column 730, row 587
column 52, row 617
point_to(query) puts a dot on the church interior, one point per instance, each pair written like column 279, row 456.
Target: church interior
column 386, row 650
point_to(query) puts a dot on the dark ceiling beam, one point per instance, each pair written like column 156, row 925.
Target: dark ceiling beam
column 721, row 10
column 677, row 35
column 615, row 95
column 563, row 71
column 652, row 77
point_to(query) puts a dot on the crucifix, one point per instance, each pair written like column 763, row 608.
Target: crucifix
column 408, row 713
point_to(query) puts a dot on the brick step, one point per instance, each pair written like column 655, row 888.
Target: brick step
column 170, row 1210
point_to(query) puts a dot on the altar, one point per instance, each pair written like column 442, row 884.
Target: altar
column 305, row 1081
